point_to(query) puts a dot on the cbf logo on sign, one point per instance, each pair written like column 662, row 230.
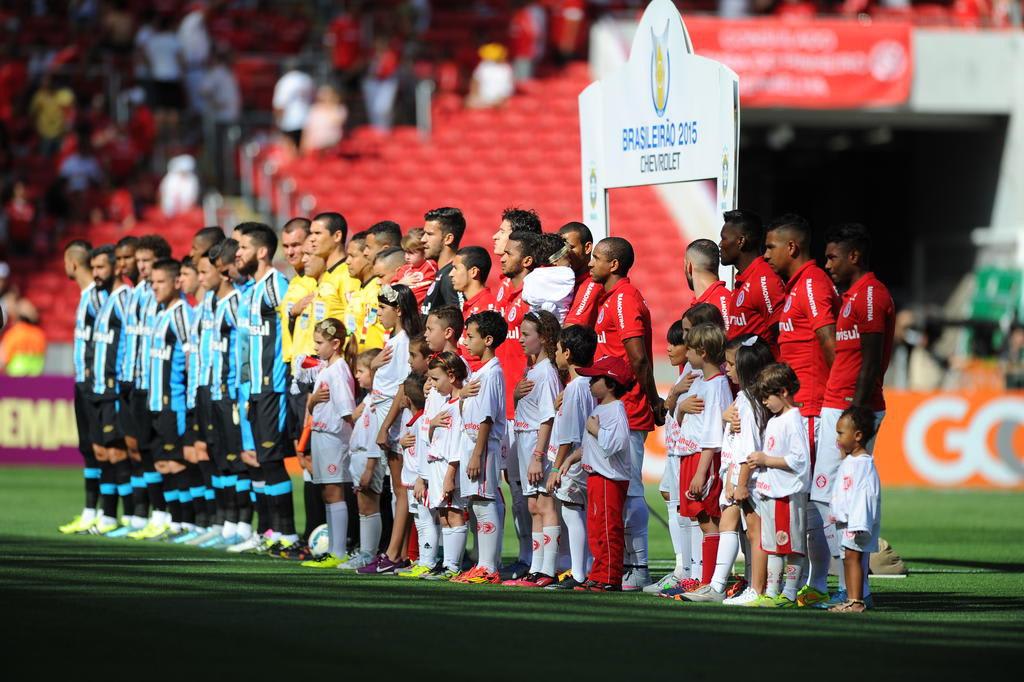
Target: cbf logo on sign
column 661, row 70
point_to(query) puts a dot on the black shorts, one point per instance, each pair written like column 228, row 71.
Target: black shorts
column 106, row 426
column 268, row 416
column 167, row 95
column 226, row 448
column 142, row 418
column 297, row 413
column 204, row 416
column 168, row 441
column 125, row 419
column 83, row 413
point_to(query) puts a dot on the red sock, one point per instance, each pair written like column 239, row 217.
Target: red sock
column 414, row 544
column 709, row 557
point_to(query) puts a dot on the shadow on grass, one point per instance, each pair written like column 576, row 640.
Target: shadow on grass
column 989, row 566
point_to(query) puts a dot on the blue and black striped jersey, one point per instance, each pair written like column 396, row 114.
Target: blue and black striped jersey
column 223, row 347
column 130, row 359
column 147, row 313
column 268, row 370
column 110, row 341
column 207, row 310
column 242, row 344
column 167, row 357
column 89, row 303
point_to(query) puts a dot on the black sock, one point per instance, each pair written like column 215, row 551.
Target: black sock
column 123, row 480
column 280, row 503
column 243, row 498
column 188, row 510
column 226, row 500
column 91, row 473
column 108, row 490
column 140, row 495
column 155, row 485
column 171, row 494
column 198, row 492
column 316, row 510
column 262, row 505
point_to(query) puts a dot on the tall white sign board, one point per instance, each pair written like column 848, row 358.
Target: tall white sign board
column 667, row 116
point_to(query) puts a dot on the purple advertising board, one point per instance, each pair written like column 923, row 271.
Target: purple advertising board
column 37, row 421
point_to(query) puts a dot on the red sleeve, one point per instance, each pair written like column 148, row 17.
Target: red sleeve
column 626, row 311
column 821, row 299
column 871, row 309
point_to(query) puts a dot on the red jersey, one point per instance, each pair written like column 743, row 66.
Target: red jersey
column 811, row 302
column 343, row 37
column 866, row 308
column 719, row 296
column 624, row 315
column 479, row 303
column 756, row 299
column 418, row 278
column 585, row 303
column 510, row 303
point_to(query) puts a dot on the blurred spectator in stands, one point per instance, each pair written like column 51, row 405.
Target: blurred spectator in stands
column 528, row 35
column 326, row 121
column 51, row 109
column 293, row 96
column 926, row 370
column 20, row 218
column 117, row 27
column 343, row 41
column 23, row 345
column 380, row 85
column 568, row 28
column 146, row 27
column 493, row 80
column 120, row 208
column 222, row 98
column 162, row 53
column 1013, row 357
column 179, row 190
column 195, row 53
column 82, row 175
column 141, row 122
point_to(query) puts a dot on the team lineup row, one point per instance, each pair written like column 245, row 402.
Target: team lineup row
column 196, row 379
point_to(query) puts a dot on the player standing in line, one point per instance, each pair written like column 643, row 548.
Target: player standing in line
column 624, row 331
column 534, row 419
column 807, row 342
column 551, row 283
column 856, row 506
column 864, row 338
column 107, row 437
column 363, row 314
column 470, row 269
column 783, row 469
column 383, row 235
column 331, row 404
column 204, row 240
column 608, row 461
column 480, row 447
column 124, row 255
column 419, row 271
column 268, row 379
column 757, row 292
column 409, row 440
column 701, row 272
column 76, row 267
column 328, row 232
column 589, row 294
column 443, row 229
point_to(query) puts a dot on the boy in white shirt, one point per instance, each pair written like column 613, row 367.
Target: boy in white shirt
column 856, row 504
column 607, row 461
column 783, row 479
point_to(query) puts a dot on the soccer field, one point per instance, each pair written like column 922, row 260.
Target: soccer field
column 86, row 603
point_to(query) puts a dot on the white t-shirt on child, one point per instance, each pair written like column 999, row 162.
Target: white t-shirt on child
column 857, row 498
column 330, row 416
column 785, row 436
column 736, row 446
column 538, row 406
column 551, row 289
column 704, row 430
column 608, row 454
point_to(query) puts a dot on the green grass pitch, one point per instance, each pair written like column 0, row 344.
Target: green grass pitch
column 80, row 604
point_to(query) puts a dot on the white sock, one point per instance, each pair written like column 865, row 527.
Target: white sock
column 576, row 524
column 537, row 557
column 175, row 527
column 728, row 548
column 454, row 540
column 244, row 530
column 88, row 514
column 337, row 527
column 369, row 533
column 795, row 564
column 229, row 529
column 684, row 562
column 290, row 537
column 676, row 533
column 487, row 532
column 275, row 536
column 139, row 522
column 697, row 549
column 428, row 531
column 108, row 520
column 551, row 535
column 635, row 530
column 776, row 566
column 818, row 554
column 523, row 522
column 563, row 561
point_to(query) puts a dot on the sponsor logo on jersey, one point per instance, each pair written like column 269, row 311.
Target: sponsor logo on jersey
column 847, row 482
column 781, row 538
column 848, row 308
column 485, row 527
column 821, row 481
column 332, row 468
column 742, row 295
column 848, row 334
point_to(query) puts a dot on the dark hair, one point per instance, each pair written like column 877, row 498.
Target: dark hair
column 706, row 252
column 128, row 241
column 105, row 250
column 297, row 224
column 621, row 250
column 451, row 221
column 262, row 236
column 863, row 420
column 522, row 219
column 186, row 262
column 774, row 379
column 476, row 257
column 155, row 243
column 490, row 323
column 333, row 221
column 546, row 246
column 389, row 252
column 358, row 237
column 81, row 250
column 586, row 236
column 211, row 235
column 794, row 224
column 581, row 343
column 449, row 363
column 168, row 265
column 366, row 357
column 676, row 334
column 223, row 253
column 750, row 226
column 413, row 386
column 548, row 328
column 420, row 344
column 617, row 388
column 750, row 360
column 852, row 237
column 386, row 232
column 450, row 317
column 527, row 241
column 408, row 309
column 702, row 313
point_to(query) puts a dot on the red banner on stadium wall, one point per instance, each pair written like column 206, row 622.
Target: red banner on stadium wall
column 819, row 64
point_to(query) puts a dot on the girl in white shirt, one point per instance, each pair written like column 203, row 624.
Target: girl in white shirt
column 331, row 405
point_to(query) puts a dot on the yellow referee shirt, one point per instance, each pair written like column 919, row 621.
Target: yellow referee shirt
column 293, row 332
column 364, row 316
column 337, row 287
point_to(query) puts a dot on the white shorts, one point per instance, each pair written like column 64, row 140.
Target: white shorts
column 410, row 496
column 863, row 541
column 826, row 462
column 486, row 486
column 573, row 486
column 526, row 443
column 436, row 471
column 357, row 466
column 670, row 479
column 330, row 458
column 783, row 524
column 636, row 473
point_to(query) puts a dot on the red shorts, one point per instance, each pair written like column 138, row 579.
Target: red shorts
column 708, row 502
